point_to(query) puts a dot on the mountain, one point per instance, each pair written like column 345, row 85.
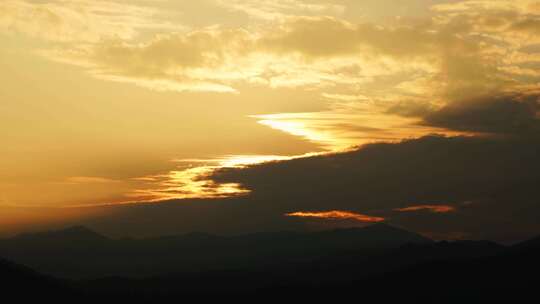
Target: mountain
column 378, row 235
column 336, row 265
column 439, row 272
column 80, row 252
column 529, row 245
column 76, row 234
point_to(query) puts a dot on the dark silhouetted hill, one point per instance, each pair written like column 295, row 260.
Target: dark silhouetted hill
column 531, row 245
column 19, row 283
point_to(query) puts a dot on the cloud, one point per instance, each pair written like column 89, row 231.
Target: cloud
column 505, row 113
column 197, row 49
column 529, row 26
column 316, row 36
column 337, row 215
column 218, row 59
column 277, row 9
column 79, row 21
column 183, row 184
column 389, row 176
column 430, row 208
column 504, row 18
column 386, row 81
column 90, row 180
column 348, row 126
column 377, row 179
column 201, row 60
column 459, row 50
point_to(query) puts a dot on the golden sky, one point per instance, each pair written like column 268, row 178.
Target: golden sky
column 114, row 102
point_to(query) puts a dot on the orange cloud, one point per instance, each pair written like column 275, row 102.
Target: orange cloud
column 338, row 215
column 431, row 208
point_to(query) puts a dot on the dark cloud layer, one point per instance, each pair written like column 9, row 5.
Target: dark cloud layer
column 507, row 113
column 491, row 182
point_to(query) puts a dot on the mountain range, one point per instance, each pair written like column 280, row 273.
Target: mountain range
column 78, row 252
column 377, row 262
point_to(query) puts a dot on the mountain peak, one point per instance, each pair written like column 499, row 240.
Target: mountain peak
column 386, row 231
column 383, row 226
column 375, row 236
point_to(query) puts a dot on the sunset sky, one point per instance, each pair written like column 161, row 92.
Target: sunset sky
column 151, row 117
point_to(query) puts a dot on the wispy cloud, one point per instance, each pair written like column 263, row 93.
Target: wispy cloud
column 337, row 215
column 90, row 180
column 270, row 10
column 430, row 208
column 344, row 128
column 81, row 20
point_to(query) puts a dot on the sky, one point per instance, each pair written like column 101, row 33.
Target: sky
column 152, row 117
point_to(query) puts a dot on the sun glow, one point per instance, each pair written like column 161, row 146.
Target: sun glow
column 335, row 131
column 298, row 128
column 339, row 130
column 239, row 161
column 188, row 183
column 196, row 181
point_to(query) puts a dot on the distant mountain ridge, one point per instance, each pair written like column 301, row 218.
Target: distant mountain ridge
column 379, row 232
column 78, row 250
column 293, row 265
column 74, row 233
